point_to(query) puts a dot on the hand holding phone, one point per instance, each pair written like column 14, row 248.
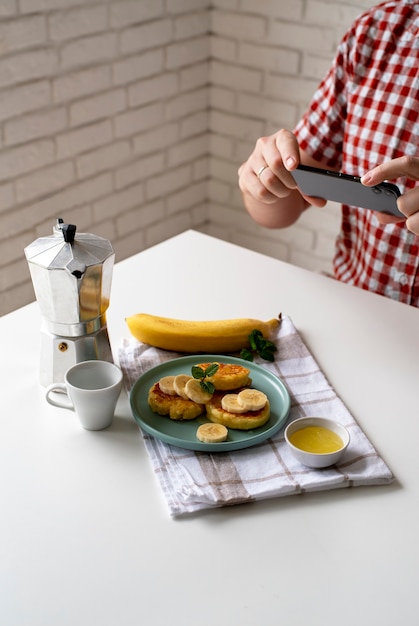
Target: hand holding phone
column 347, row 189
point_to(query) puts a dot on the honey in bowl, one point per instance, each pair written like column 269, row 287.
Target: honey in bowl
column 316, row 439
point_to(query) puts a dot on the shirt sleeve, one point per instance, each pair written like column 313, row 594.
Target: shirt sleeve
column 321, row 130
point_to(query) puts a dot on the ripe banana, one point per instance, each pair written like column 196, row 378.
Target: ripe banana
column 218, row 336
column 212, row 433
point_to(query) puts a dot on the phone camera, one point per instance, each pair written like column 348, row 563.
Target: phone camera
column 376, row 190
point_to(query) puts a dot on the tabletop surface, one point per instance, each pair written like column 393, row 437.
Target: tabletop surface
column 85, row 533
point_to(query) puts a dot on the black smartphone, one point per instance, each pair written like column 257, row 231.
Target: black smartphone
column 347, row 189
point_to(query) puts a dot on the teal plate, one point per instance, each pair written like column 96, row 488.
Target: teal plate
column 183, row 433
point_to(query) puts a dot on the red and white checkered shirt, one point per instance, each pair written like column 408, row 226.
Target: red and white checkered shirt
column 365, row 112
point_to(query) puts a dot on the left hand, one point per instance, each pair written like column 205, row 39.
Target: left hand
column 408, row 203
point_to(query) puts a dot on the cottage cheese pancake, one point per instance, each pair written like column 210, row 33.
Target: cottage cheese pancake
column 239, row 421
column 228, row 376
column 175, row 407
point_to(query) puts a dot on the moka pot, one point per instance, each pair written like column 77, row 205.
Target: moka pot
column 71, row 275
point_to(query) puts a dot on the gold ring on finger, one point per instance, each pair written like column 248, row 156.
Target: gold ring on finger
column 262, row 169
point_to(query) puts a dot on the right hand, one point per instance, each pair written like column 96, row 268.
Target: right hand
column 278, row 154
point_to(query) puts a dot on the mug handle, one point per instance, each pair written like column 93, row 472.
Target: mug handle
column 61, row 387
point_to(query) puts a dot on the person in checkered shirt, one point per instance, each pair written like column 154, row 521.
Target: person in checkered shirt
column 363, row 120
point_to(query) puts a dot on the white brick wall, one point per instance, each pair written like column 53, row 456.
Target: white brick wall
column 130, row 118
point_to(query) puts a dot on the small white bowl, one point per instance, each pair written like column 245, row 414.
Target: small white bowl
column 315, row 459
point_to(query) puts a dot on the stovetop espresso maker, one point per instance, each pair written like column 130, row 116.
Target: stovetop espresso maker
column 71, row 275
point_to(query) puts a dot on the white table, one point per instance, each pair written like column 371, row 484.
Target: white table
column 85, row 536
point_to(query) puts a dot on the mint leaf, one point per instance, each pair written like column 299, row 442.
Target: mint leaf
column 201, row 374
column 260, row 346
column 246, row 354
column 207, row 386
column 267, row 355
column 254, row 339
column 198, row 372
column 212, row 369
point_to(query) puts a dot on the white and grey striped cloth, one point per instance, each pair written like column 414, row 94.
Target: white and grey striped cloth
column 192, row 481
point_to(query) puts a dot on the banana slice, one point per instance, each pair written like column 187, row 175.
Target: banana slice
column 252, row 399
column 230, row 403
column 195, row 392
column 212, row 433
column 179, row 385
column 166, row 385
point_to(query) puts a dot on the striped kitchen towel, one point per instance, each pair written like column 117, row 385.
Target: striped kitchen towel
column 192, row 481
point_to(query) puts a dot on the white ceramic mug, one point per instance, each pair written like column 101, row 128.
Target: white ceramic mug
column 93, row 389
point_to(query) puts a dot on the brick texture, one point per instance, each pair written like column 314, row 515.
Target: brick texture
column 131, row 118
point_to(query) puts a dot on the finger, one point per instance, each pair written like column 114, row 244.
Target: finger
column 390, row 170
column 274, row 175
column 264, row 175
column 263, row 172
column 270, row 182
column 412, row 223
column 408, row 203
column 287, row 145
column 315, row 201
column 385, row 218
column 251, row 184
